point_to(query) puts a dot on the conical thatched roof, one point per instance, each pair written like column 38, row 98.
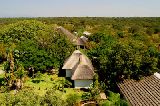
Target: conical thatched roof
column 72, row 61
column 82, row 72
column 81, row 66
column 84, row 60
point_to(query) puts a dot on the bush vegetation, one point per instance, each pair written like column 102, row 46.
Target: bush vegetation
column 120, row 48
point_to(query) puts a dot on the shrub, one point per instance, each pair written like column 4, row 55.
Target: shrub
column 53, row 98
column 86, row 96
column 106, row 103
column 120, row 34
column 134, row 29
column 150, row 31
column 21, row 98
column 113, row 100
column 73, row 99
column 30, row 98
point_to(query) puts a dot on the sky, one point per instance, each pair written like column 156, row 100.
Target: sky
column 79, row 8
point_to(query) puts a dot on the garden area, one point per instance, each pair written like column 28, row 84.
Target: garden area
column 119, row 48
column 51, row 90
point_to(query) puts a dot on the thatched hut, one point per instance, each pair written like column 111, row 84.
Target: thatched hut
column 81, row 42
column 86, row 33
column 79, row 68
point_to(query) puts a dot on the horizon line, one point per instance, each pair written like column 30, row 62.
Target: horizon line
column 81, row 17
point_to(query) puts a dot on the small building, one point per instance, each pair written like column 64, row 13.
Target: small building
column 68, row 34
column 145, row 92
column 81, row 42
column 86, row 33
column 79, row 68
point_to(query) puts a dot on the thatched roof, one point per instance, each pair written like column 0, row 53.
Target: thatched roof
column 145, row 92
column 77, row 52
column 81, row 66
column 85, row 39
column 73, row 38
column 82, row 40
column 72, row 61
column 83, row 72
column 85, row 61
column 69, row 35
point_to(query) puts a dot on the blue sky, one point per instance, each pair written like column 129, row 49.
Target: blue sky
column 56, row 8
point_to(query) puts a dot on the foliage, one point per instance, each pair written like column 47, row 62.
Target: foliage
column 86, row 96
column 134, row 29
column 120, row 48
column 14, row 70
column 27, row 97
column 39, row 45
column 61, row 83
column 41, row 84
column 20, row 72
column 73, row 99
column 22, row 98
column 38, row 75
column 116, row 60
column 53, row 98
column 94, row 90
column 23, row 30
column 3, row 54
column 113, row 100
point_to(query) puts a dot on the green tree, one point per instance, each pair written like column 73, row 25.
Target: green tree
column 116, row 61
column 53, row 98
column 40, row 46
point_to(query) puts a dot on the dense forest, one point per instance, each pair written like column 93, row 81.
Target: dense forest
column 119, row 48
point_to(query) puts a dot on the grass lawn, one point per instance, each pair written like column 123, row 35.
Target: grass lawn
column 42, row 86
column 46, row 82
column 72, row 91
column 43, row 83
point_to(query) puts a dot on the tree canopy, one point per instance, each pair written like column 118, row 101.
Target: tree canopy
column 116, row 60
column 39, row 45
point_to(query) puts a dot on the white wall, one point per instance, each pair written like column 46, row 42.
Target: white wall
column 82, row 83
column 68, row 73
